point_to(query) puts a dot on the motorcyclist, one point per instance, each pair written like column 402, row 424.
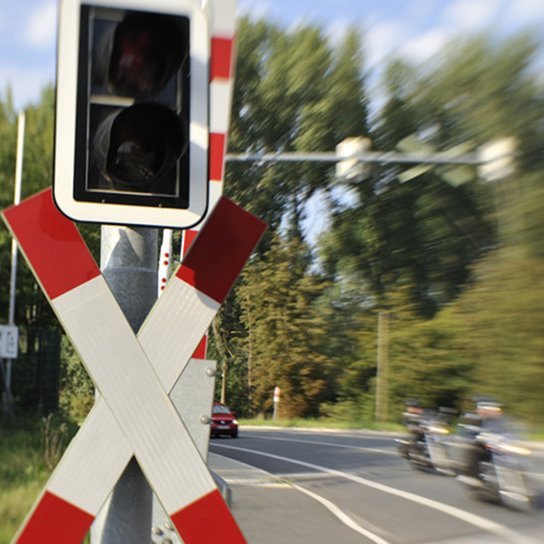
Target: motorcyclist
column 492, row 463
column 488, row 418
column 414, row 416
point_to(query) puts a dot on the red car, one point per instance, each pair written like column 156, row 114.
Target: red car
column 223, row 421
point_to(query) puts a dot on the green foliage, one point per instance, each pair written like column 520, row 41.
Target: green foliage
column 428, row 361
column 38, row 155
column 28, row 453
column 412, row 248
column 482, row 89
column 354, row 412
column 36, row 370
column 36, row 373
column 293, row 91
column 502, row 314
column 285, row 331
column 76, row 396
column 31, row 309
column 431, row 240
column 22, row 474
column 54, row 441
column 489, row 341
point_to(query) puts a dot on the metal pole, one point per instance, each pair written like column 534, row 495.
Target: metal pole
column 382, row 366
column 165, row 260
column 16, row 201
column 7, row 370
column 369, row 156
column 128, row 261
column 224, row 377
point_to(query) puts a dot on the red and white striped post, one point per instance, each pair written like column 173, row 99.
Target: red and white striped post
column 222, row 61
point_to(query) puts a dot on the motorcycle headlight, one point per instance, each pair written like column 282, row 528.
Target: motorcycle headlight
column 439, row 430
column 515, row 449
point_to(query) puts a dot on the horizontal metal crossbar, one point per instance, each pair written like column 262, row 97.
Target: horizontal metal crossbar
column 367, row 157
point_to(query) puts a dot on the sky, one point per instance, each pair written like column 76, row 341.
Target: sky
column 413, row 29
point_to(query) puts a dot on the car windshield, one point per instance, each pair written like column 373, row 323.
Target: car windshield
column 218, row 409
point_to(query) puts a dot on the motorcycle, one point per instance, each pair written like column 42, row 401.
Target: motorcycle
column 424, row 448
column 499, row 471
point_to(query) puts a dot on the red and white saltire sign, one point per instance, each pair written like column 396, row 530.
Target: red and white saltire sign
column 133, row 373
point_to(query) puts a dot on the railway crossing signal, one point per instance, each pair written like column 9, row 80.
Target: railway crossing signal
column 120, row 424
column 172, row 334
column 132, row 127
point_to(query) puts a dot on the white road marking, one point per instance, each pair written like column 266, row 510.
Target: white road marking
column 341, row 515
column 335, row 510
column 321, row 443
column 482, row 523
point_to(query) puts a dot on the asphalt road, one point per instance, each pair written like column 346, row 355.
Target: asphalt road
column 297, row 486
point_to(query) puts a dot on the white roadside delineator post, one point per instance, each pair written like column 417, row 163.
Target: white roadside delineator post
column 136, row 412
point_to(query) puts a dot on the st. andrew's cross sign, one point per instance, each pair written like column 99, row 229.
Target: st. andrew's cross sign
column 133, row 374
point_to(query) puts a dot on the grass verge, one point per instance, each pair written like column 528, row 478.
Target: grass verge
column 324, row 424
column 29, row 451
column 22, row 474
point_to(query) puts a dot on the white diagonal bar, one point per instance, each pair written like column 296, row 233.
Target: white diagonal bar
column 115, row 360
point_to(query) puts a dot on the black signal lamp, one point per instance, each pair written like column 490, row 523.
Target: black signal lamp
column 147, row 51
column 135, row 119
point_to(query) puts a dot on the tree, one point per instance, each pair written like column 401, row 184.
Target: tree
column 32, row 309
column 424, row 232
column 293, row 92
column 428, row 238
column 36, row 374
column 285, row 331
column 484, row 90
